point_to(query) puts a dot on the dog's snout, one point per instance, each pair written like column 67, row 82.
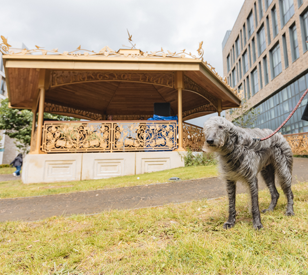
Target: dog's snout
column 210, row 141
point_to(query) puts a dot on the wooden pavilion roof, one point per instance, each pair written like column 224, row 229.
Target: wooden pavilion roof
column 125, row 84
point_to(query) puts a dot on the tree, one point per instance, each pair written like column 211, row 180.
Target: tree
column 244, row 116
column 18, row 124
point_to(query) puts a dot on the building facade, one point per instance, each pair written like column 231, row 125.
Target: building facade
column 8, row 150
column 266, row 57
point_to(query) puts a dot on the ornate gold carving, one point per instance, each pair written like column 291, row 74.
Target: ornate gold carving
column 109, row 136
column 58, row 109
column 193, row 86
column 298, row 143
column 59, row 78
column 203, row 108
column 193, row 137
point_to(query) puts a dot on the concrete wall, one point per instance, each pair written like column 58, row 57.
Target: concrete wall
column 75, row 167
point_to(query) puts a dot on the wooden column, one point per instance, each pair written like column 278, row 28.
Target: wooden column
column 180, row 86
column 219, row 109
column 40, row 112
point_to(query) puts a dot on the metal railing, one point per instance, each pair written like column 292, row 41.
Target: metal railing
column 109, row 136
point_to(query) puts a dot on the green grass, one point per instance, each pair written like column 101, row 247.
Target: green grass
column 7, row 170
column 183, row 238
column 13, row 189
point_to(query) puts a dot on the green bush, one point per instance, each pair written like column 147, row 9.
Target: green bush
column 200, row 159
column 4, row 165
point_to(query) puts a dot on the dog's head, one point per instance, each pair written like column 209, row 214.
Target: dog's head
column 218, row 132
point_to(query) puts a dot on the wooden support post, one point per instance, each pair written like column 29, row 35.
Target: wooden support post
column 40, row 112
column 180, row 87
column 219, row 108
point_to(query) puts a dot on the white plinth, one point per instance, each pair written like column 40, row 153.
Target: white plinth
column 84, row 166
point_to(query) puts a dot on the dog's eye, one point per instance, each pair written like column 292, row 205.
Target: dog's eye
column 220, row 127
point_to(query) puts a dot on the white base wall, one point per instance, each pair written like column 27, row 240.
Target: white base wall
column 85, row 166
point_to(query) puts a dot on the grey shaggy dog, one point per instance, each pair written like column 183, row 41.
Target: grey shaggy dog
column 241, row 159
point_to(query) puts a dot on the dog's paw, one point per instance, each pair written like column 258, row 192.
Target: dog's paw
column 267, row 210
column 228, row 225
column 290, row 213
column 257, row 226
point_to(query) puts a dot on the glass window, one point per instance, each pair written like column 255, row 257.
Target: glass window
column 261, row 40
column 300, row 2
column 244, row 32
column 2, row 87
column 228, row 63
column 249, row 52
column 275, row 22
column 294, row 43
column 267, row 3
column 304, row 23
column 240, row 69
column 241, row 39
column 268, row 31
column 248, row 89
column 276, row 61
column 237, row 47
column 250, row 26
column 265, row 70
column 245, row 62
column 253, row 50
column 255, row 12
column 287, row 10
column 260, row 75
column 234, row 78
column 285, row 51
column 233, row 54
column 260, row 9
column 254, row 82
column 244, row 85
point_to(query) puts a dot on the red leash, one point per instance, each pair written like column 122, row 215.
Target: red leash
column 261, row 139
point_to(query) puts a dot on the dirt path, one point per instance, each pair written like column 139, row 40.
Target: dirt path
column 90, row 202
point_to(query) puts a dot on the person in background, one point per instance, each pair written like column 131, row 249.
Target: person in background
column 17, row 163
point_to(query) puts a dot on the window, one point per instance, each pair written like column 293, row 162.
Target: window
column 2, row 87
column 228, row 63
column 233, row 54
column 234, row 78
column 250, row 27
column 248, row 89
column 285, row 51
column 255, row 12
column 265, row 70
column 260, row 9
column 237, row 47
column 261, row 40
column 254, row 82
column 268, row 3
column 287, row 10
column 268, row 31
column 276, row 61
column 249, row 52
column 253, row 50
column 241, row 39
column 240, row 88
column 260, row 75
column 275, row 22
column 240, row 68
column 244, row 32
column 304, row 24
column 294, row 43
column 244, row 85
column 245, row 63
column 300, row 2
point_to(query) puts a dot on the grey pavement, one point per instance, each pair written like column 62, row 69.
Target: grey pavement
column 91, row 202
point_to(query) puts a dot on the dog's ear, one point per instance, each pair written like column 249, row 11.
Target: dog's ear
column 233, row 136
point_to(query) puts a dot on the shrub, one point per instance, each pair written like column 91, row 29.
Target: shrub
column 198, row 159
column 4, row 165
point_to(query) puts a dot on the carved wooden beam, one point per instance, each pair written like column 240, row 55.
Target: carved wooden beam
column 60, row 78
column 190, row 85
column 203, row 108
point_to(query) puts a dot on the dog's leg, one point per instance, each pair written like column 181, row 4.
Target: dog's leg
column 268, row 174
column 285, row 182
column 256, row 219
column 231, row 189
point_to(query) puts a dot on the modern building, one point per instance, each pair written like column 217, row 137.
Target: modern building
column 265, row 55
column 8, row 149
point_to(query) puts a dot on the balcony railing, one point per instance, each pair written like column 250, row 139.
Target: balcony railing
column 193, row 137
column 109, row 136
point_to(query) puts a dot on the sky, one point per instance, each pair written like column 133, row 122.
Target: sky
column 171, row 24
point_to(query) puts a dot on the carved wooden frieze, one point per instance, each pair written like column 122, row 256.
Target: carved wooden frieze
column 191, row 85
column 54, row 108
column 203, row 108
column 59, row 78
